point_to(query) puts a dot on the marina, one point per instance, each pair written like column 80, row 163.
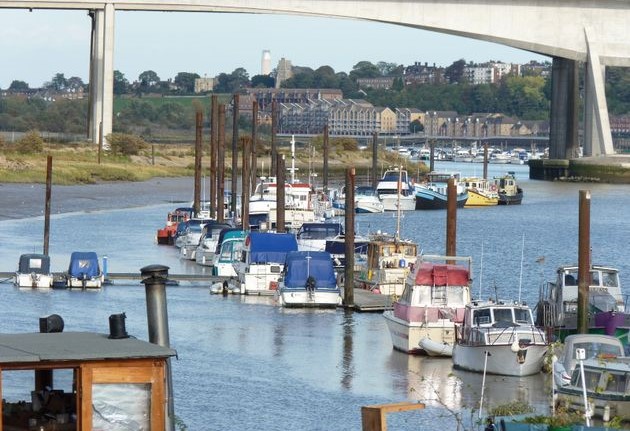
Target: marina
column 258, row 364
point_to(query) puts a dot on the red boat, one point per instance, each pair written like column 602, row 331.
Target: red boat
column 167, row 234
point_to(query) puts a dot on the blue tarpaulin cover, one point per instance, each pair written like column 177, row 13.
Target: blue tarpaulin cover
column 303, row 264
column 267, row 247
column 84, row 264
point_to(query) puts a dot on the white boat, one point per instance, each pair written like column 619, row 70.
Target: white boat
column 436, row 293
column 595, row 346
column 313, row 236
column 206, row 247
column 432, row 194
column 605, row 386
column 395, row 191
column 558, row 303
column 84, row 270
column 229, row 251
column 366, row 201
column 499, row 338
column 264, row 254
column 309, row 280
column 34, row 271
column 389, row 261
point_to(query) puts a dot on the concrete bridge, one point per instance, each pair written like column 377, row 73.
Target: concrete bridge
column 596, row 33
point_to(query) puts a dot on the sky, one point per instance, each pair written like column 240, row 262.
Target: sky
column 36, row 45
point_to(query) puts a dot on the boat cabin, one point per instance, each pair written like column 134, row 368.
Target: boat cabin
column 67, row 381
column 229, row 250
column 497, row 315
column 34, row 271
column 604, row 289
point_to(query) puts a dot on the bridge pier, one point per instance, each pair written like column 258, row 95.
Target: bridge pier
column 563, row 127
column 101, row 88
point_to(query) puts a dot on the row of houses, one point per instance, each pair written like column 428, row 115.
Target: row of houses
column 308, row 111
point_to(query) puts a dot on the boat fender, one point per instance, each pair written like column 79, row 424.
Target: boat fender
column 341, row 279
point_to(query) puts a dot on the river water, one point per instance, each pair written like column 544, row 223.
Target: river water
column 244, row 363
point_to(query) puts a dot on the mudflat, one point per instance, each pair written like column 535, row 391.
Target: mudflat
column 29, row 200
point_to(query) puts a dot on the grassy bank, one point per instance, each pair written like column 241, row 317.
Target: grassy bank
column 79, row 164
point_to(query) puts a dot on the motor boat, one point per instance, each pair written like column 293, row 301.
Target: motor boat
column 34, row 271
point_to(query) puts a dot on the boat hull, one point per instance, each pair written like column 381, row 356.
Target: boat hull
column 90, row 283
column 392, row 202
column 505, row 199
column 406, row 336
column 436, row 349
column 315, row 299
column 34, row 280
column 476, row 199
column 501, row 359
column 428, row 200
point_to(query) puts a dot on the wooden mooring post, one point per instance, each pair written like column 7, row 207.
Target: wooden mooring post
column 584, row 260
column 374, row 418
column 348, row 293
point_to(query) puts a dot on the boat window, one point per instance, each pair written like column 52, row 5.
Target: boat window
column 481, row 317
column 616, row 382
column 522, row 316
column 593, row 349
column 590, row 377
column 503, row 315
column 610, row 279
column 594, row 278
column 570, row 278
column 121, row 405
column 456, row 295
column 226, row 251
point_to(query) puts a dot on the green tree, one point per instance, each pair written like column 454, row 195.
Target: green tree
column 186, row 81
column 58, row 82
column 263, row 81
column 75, row 83
column 389, row 69
column 18, row 86
column 455, row 72
column 364, row 69
column 148, row 79
column 230, row 83
column 121, row 84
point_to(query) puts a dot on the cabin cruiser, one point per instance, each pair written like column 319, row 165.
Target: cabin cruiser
column 84, row 270
column 34, row 271
column 313, row 236
column 189, row 240
column 308, row 280
column 558, row 303
column 509, row 191
column 432, row 194
column 207, row 245
column 395, row 191
column 262, row 262
column 229, row 250
column 436, row 293
column 499, row 338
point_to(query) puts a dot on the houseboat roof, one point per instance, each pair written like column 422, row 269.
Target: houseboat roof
column 75, row 346
column 433, row 274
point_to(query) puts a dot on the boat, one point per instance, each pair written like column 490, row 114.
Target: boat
column 84, row 270
column 500, row 158
column 167, row 235
column 206, row 247
column 558, row 303
column 34, row 271
column 188, row 241
column 499, row 338
column 605, row 385
column 308, row 280
column 389, row 261
column 423, row 319
column 264, row 254
column 509, row 191
column 395, row 191
column 337, row 248
column 480, row 192
column 432, row 194
column 594, row 345
column 313, row 236
column 366, row 200
column 229, row 250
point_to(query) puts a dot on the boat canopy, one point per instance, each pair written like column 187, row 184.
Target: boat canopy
column 229, row 233
column 301, row 265
column 432, row 274
column 84, row 264
column 34, row 263
column 319, row 230
column 266, row 247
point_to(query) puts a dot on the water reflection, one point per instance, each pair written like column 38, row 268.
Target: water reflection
column 347, row 368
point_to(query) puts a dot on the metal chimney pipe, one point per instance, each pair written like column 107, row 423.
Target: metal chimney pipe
column 154, row 278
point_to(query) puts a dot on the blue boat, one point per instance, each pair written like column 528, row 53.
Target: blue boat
column 84, row 270
column 264, row 254
column 309, row 281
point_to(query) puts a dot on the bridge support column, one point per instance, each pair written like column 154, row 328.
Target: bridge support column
column 96, row 76
column 102, row 74
column 597, row 135
column 563, row 128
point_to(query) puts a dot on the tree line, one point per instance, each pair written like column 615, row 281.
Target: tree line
column 524, row 97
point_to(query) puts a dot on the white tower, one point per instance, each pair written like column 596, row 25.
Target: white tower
column 265, row 67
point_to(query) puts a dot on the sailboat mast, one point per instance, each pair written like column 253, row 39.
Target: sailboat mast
column 398, row 204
